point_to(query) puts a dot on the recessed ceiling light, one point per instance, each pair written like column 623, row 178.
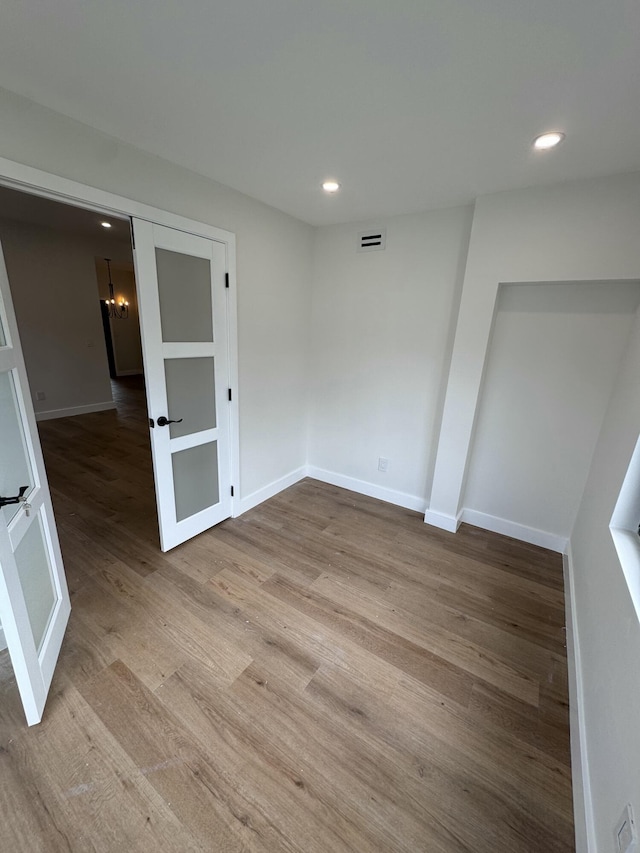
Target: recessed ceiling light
column 548, row 140
column 331, row 186
column 106, row 224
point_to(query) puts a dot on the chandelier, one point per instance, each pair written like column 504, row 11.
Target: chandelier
column 118, row 310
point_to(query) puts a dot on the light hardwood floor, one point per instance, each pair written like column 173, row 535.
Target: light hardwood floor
column 325, row 673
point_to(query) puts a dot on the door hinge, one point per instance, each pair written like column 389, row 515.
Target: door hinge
column 231, row 491
column 226, row 279
column 133, row 236
column 229, row 394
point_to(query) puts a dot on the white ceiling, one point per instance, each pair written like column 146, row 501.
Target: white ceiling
column 411, row 104
column 24, row 207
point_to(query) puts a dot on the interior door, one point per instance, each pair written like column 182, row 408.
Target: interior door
column 183, row 321
column 34, row 600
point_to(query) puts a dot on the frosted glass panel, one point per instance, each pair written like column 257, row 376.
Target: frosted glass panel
column 195, row 479
column 36, row 580
column 184, row 287
column 15, row 470
column 191, row 391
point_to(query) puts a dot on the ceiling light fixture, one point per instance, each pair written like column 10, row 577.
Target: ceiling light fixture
column 117, row 310
column 331, row 186
column 106, row 224
column 548, row 140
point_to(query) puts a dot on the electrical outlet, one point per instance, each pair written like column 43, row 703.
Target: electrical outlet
column 625, row 832
column 40, row 395
column 383, row 463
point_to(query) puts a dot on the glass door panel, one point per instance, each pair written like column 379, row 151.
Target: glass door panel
column 36, row 579
column 184, row 290
column 195, row 479
column 15, row 466
column 191, row 389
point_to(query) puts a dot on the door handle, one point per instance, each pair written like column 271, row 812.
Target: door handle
column 15, row 499
column 162, row 421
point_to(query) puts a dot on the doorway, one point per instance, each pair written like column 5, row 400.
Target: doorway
column 120, row 320
column 77, row 356
column 50, row 325
column 91, row 415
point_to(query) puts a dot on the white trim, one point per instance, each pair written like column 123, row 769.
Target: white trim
column 234, row 382
column 450, row 523
column 189, row 350
column 269, row 491
column 624, row 527
column 627, row 544
column 137, row 372
column 51, row 414
column 444, row 522
column 516, row 531
column 35, row 181
column 27, row 179
column 582, row 801
column 3, row 642
column 193, row 439
column 371, row 489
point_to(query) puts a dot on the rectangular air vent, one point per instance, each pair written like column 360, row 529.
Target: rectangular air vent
column 374, row 240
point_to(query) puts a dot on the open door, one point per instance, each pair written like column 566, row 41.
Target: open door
column 34, row 600
column 183, row 322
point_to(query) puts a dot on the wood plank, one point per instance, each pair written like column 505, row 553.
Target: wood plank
column 77, row 789
column 199, row 791
column 325, row 673
column 459, row 783
column 413, row 659
column 428, row 631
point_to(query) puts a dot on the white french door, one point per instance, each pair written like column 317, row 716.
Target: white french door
column 183, row 321
column 34, row 600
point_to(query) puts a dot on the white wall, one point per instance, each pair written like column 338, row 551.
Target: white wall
column 608, row 628
column 53, row 284
column 273, row 270
column 553, row 359
column 363, row 316
column 583, row 231
column 381, row 328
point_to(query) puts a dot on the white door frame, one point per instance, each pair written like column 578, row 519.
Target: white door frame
column 26, row 179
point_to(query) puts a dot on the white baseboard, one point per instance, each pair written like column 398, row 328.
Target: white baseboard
column 269, row 491
column 3, row 642
column 444, row 522
column 451, row 523
column 517, row 531
column 582, row 801
column 51, row 414
column 361, row 486
column 371, row 489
